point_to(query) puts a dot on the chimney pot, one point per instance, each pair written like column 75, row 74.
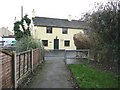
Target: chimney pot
column 69, row 18
column 33, row 13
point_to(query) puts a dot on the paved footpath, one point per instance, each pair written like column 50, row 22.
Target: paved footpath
column 54, row 74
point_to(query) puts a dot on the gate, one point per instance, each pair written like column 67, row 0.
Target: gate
column 54, row 54
column 75, row 56
column 67, row 55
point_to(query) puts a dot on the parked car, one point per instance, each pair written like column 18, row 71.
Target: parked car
column 9, row 47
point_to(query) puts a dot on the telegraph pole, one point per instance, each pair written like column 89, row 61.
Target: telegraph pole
column 21, row 12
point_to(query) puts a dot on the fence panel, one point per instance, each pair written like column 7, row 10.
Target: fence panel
column 23, row 60
column 36, row 57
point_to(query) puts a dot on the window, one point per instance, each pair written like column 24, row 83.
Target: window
column 49, row 30
column 64, row 30
column 45, row 42
column 66, row 43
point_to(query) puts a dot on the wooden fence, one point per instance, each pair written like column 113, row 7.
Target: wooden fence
column 17, row 66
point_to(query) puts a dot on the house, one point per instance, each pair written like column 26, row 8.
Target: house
column 57, row 33
column 4, row 32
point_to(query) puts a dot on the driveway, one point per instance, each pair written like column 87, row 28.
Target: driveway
column 54, row 73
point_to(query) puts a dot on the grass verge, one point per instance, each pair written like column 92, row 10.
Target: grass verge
column 89, row 77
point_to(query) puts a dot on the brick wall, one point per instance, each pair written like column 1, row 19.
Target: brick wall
column 7, row 73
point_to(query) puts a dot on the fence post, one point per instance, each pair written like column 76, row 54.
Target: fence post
column 43, row 54
column 14, row 70
column 39, row 55
column 88, row 55
column 41, row 59
column 65, row 57
column 32, row 60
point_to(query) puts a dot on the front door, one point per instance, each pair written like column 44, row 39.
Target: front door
column 56, row 44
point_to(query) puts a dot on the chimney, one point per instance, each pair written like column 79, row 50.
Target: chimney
column 69, row 18
column 14, row 19
column 33, row 13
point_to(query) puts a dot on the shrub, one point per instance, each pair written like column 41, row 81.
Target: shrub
column 27, row 43
column 81, row 41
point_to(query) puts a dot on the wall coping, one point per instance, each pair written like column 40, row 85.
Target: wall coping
column 6, row 52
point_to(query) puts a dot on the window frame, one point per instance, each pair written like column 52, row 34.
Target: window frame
column 66, row 43
column 46, row 43
column 64, row 30
column 49, row 30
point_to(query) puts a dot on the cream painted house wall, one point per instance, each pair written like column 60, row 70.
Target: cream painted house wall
column 39, row 32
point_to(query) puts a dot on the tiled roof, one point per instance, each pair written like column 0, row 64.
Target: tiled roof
column 54, row 22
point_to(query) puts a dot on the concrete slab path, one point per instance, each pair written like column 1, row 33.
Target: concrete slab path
column 54, row 74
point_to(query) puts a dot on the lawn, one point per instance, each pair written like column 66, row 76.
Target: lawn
column 89, row 77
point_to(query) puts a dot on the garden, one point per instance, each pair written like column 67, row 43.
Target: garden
column 103, row 42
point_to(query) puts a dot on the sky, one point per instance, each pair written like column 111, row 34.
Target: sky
column 9, row 9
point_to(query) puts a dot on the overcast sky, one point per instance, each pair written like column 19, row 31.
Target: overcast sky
column 43, row 8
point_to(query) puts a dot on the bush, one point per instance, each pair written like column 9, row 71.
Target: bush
column 105, row 33
column 81, row 41
column 27, row 43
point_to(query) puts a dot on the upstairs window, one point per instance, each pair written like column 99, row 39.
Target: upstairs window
column 45, row 42
column 66, row 43
column 64, row 30
column 49, row 30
